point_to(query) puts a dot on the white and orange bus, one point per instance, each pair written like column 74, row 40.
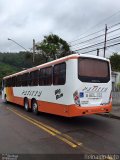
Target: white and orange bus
column 75, row 85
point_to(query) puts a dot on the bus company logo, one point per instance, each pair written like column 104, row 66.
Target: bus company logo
column 58, row 93
column 32, row 93
column 95, row 88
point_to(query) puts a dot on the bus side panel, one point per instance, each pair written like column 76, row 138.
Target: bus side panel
column 47, row 107
column 80, row 111
column 12, row 98
column 53, row 108
column 72, row 110
column 59, row 109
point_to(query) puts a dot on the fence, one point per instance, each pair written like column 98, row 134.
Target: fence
column 116, row 96
column 116, row 89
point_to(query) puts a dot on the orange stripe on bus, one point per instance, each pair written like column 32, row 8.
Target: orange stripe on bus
column 60, row 109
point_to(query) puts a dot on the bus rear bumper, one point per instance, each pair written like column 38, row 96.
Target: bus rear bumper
column 80, row 111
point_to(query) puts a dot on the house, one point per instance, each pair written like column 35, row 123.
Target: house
column 115, row 79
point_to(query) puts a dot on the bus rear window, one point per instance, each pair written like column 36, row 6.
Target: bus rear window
column 93, row 70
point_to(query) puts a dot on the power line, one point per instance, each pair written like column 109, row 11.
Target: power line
column 89, row 46
column 109, row 37
column 87, row 35
column 90, row 51
column 94, row 33
column 98, row 24
column 96, row 37
column 113, row 45
column 114, row 30
column 114, row 25
column 102, row 48
column 89, row 40
column 98, row 43
column 114, row 35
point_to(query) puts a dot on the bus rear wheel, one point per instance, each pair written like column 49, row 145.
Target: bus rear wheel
column 26, row 104
column 35, row 107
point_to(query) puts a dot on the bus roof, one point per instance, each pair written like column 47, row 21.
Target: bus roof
column 60, row 60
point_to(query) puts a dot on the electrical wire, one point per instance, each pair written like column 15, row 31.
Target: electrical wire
column 95, row 37
column 98, row 43
column 114, row 25
column 89, row 40
column 87, row 35
column 97, row 25
column 102, row 48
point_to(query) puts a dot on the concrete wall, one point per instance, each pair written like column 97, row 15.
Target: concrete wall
column 116, row 98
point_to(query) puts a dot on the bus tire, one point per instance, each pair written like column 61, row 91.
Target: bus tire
column 35, row 107
column 26, row 104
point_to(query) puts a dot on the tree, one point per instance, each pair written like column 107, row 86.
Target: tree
column 53, row 47
column 115, row 62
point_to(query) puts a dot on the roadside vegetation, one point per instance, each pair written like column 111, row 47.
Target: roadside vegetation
column 115, row 62
column 50, row 48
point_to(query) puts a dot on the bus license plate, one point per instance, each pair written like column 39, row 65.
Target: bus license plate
column 95, row 95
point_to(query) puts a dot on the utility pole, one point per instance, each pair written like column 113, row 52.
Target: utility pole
column 97, row 52
column 105, row 39
column 33, row 50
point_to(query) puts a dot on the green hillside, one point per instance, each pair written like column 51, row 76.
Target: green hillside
column 6, row 69
column 14, row 62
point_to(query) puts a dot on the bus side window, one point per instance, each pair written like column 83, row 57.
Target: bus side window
column 13, row 81
column 48, row 76
column 25, row 79
column 34, row 77
column 6, row 84
column 42, row 77
column 45, row 76
column 9, row 82
column 18, row 80
column 59, row 74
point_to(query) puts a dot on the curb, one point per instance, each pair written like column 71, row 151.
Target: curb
column 109, row 115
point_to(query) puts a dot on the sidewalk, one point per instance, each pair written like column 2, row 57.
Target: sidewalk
column 115, row 113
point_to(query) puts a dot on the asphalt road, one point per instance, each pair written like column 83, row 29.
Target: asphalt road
column 23, row 132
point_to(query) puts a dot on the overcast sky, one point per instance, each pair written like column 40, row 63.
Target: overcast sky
column 23, row 20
